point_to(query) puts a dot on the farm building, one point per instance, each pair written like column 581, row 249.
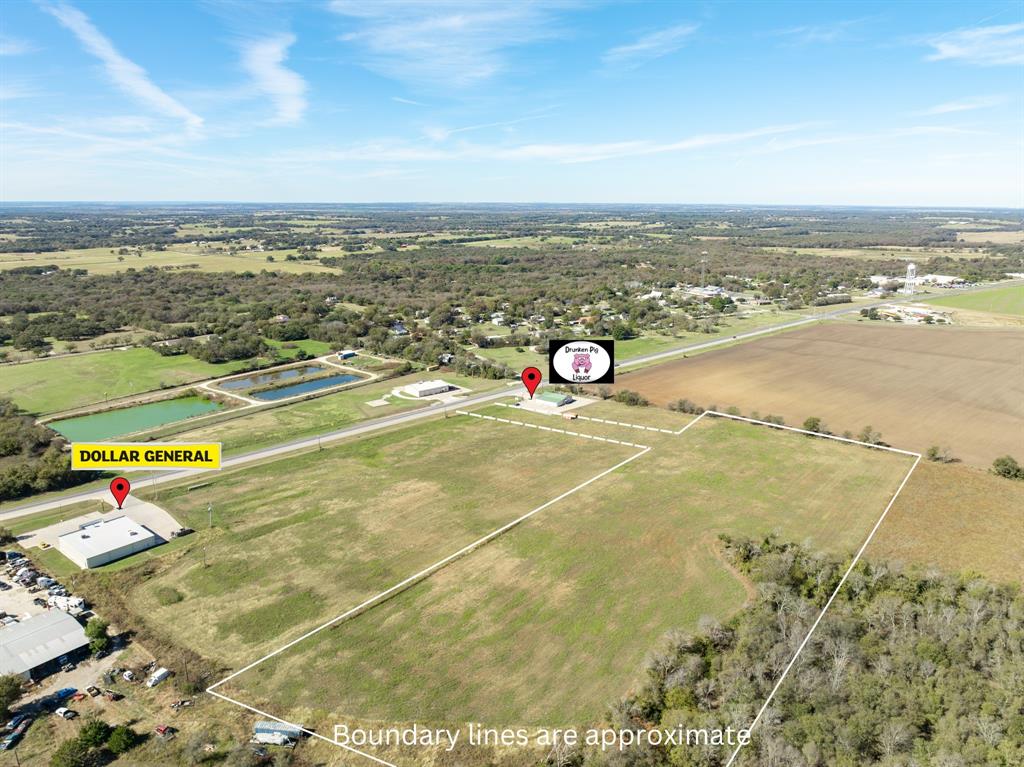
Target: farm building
column 346, row 354
column 38, row 645
column 276, row 733
column 428, row 388
column 105, row 540
column 558, row 399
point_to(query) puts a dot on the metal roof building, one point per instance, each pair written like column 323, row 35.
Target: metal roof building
column 428, row 388
column 105, row 540
column 32, row 647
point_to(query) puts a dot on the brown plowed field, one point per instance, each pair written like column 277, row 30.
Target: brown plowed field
column 961, row 388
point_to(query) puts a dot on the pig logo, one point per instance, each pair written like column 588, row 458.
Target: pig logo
column 581, row 362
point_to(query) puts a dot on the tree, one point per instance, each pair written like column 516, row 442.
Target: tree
column 814, row 424
column 122, row 739
column 10, row 691
column 74, row 753
column 94, row 733
column 6, row 536
column 96, row 630
column 1007, row 466
column 869, row 435
column 939, row 454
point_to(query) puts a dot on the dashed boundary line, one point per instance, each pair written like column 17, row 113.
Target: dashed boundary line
column 643, row 450
column 551, row 428
column 412, row 580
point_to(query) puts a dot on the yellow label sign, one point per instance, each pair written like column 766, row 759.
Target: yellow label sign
column 145, row 455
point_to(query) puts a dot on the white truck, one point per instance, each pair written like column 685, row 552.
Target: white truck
column 68, row 604
column 157, row 677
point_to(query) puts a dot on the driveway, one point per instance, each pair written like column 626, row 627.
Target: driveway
column 146, row 514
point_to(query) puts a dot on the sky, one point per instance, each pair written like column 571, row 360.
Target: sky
column 832, row 103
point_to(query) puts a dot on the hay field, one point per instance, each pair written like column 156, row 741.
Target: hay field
column 919, row 386
column 958, row 519
column 298, row 540
column 1007, row 300
column 551, row 622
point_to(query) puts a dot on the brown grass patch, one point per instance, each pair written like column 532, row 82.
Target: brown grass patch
column 919, row 386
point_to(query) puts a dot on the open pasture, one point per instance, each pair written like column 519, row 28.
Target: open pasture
column 550, row 622
column 63, row 383
column 919, row 386
column 300, row 539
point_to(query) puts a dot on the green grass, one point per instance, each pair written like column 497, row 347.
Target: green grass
column 288, row 349
column 271, row 426
column 552, row 621
column 1007, row 300
column 50, row 386
column 343, row 523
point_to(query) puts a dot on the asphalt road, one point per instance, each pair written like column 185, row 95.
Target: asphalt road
column 810, row 319
column 365, row 427
column 307, row 443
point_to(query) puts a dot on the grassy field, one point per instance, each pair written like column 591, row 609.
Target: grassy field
column 102, row 261
column 50, row 386
column 956, row 518
column 522, row 242
column 303, row 419
column 875, row 253
column 330, row 527
column 1006, row 300
column 918, row 386
column 551, row 622
column 288, row 349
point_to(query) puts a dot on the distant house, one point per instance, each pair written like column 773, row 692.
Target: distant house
column 280, row 319
column 346, row 354
column 399, row 329
column 446, row 359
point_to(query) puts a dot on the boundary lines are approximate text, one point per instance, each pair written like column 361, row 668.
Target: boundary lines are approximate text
column 642, row 450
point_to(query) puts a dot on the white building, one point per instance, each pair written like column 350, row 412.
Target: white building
column 428, row 388
column 105, row 540
column 34, row 647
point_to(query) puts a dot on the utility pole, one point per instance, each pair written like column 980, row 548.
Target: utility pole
column 209, row 510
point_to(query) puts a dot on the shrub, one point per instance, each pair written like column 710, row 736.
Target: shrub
column 939, row 454
column 94, row 733
column 632, row 398
column 1007, row 466
column 167, row 595
column 122, row 738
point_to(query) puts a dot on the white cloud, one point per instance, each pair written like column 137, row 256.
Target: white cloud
column 12, row 46
column 650, row 46
column 986, row 46
column 126, row 74
column 446, row 43
column 400, row 100
column 264, row 61
column 964, row 105
column 818, row 33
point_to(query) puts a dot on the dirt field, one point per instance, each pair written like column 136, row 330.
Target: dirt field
column 957, row 387
column 958, row 519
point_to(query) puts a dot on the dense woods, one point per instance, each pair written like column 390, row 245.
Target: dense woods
column 905, row 669
column 32, row 459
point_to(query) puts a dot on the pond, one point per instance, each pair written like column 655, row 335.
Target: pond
column 305, row 387
column 262, row 379
column 128, row 420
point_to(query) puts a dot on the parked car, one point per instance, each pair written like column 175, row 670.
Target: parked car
column 182, row 532
column 39, row 602
column 63, row 694
column 45, row 582
column 128, row 676
column 65, row 713
column 93, row 690
column 157, row 677
column 164, row 731
column 5, row 586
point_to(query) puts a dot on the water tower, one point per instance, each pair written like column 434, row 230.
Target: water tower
column 910, row 282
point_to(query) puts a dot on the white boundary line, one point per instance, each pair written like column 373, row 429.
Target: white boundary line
column 398, row 587
column 430, row 570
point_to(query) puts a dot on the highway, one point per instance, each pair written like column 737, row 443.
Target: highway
column 808, row 320
column 366, row 427
column 299, row 445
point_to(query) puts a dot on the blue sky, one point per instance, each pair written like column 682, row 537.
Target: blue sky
column 910, row 103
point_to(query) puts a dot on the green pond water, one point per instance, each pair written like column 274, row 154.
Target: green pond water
column 114, row 423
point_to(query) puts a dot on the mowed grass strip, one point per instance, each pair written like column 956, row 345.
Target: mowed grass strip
column 550, row 623
column 341, row 525
column 54, row 385
column 1005, row 300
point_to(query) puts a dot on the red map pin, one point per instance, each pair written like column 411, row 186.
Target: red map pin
column 119, row 489
column 531, row 379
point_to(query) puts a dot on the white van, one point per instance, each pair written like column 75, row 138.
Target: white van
column 157, row 677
